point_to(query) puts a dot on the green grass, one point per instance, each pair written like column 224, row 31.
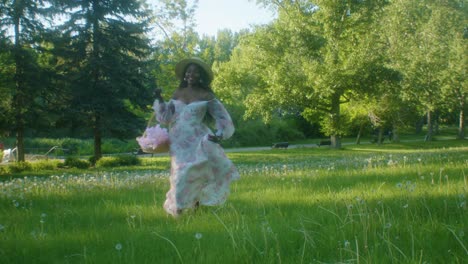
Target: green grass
column 395, row 203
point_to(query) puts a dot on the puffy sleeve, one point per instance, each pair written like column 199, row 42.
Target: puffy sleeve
column 163, row 113
column 224, row 124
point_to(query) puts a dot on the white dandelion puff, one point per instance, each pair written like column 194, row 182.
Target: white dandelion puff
column 118, row 246
column 198, row 236
column 347, row 244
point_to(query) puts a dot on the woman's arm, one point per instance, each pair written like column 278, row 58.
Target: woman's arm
column 164, row 111
column 224, row 126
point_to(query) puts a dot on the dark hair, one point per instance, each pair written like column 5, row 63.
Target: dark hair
column 205, row 80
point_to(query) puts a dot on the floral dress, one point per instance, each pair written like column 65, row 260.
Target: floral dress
column 200, row 171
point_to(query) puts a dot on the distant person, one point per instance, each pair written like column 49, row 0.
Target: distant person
column 200, row 171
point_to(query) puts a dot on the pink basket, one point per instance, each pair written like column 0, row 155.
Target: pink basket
column 155, row 139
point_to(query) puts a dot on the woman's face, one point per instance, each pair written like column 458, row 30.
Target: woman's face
column 193, row 74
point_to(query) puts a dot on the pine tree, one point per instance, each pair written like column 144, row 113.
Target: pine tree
column 107, row 67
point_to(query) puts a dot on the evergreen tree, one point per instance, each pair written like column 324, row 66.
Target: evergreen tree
column 106, row 56
column 23, row 80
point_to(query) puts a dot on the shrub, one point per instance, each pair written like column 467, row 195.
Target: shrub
column 4, row 170
column 116, row 161
column 21, row 166
column 73, row 162
column 71, row 145
column 45, row 165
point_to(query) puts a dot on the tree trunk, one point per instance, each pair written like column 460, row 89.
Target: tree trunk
column 461, row 124
column 19, row 96
column 358, row 138
column 380, row 137
column 395, row 137
column 96, row 79
column 429, row 127
column 335, row 138
column 97, row 138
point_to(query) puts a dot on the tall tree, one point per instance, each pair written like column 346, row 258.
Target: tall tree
column 21, row 27
column 177, row 39
column 107, row 64
column 453, row 77
column 314, row 58
column 426, row 42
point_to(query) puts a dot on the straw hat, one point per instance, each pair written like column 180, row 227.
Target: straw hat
column 182, row 65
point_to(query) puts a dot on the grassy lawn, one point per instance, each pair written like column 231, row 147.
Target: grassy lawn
column 395, row 203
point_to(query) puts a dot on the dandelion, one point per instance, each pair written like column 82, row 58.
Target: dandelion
column 118, row 246
column 2, row 228
column 347, row 244
column 399, row 185
column 349, row 206
column 269, row 230
column 198, row 236
column 405, row 206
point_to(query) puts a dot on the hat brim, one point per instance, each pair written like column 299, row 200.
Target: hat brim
column 182, row 65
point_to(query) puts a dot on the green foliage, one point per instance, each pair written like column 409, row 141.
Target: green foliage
column 118, row 161
column 256, row 133
column 45, row 165
column 31, row 167
column 107, row 67
column 19, row 167
column 71, row 145
column 73, row 162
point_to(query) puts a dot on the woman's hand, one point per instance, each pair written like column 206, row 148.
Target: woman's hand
column 216, row 138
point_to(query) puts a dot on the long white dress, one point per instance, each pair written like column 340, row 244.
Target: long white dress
column 200, row 170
